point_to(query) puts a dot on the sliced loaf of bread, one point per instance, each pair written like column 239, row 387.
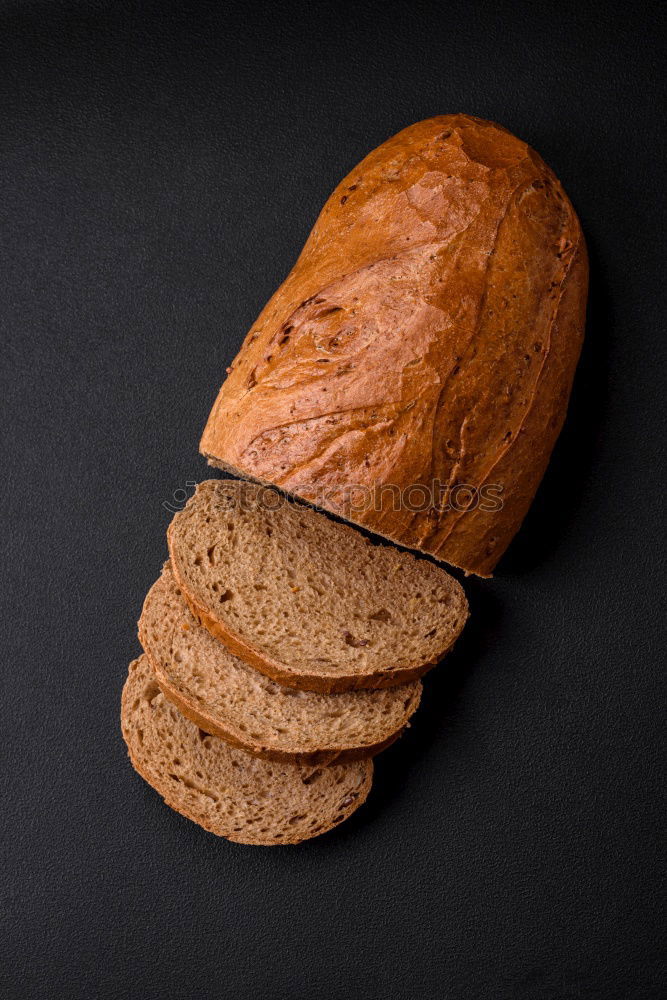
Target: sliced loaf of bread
column 228, row 698
column 227, row 791
column 306, row 600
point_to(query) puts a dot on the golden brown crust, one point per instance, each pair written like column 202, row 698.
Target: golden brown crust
column 428, row 334
column 277, row 671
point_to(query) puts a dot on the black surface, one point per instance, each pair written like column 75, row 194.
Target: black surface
column 161, row 166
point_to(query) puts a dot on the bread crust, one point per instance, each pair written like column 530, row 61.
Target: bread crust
column 277, row 671
column 427, row 336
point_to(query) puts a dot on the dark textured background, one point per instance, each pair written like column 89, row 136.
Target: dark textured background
column 161, row 165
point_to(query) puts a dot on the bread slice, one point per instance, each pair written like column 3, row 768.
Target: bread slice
column 229, row 792
column 230, row 699
column 308, row 601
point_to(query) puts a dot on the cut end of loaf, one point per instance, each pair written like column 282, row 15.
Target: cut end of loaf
column 383, row 531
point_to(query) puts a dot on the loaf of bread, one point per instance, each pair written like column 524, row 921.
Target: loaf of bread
column 306, row 600
column 412, row 373
column 229, row 792
column 228, row 698
column 411, row 376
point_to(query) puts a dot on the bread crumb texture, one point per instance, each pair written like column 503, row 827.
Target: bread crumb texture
column 307, row 600
column 225, row 790
column 233, row 700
